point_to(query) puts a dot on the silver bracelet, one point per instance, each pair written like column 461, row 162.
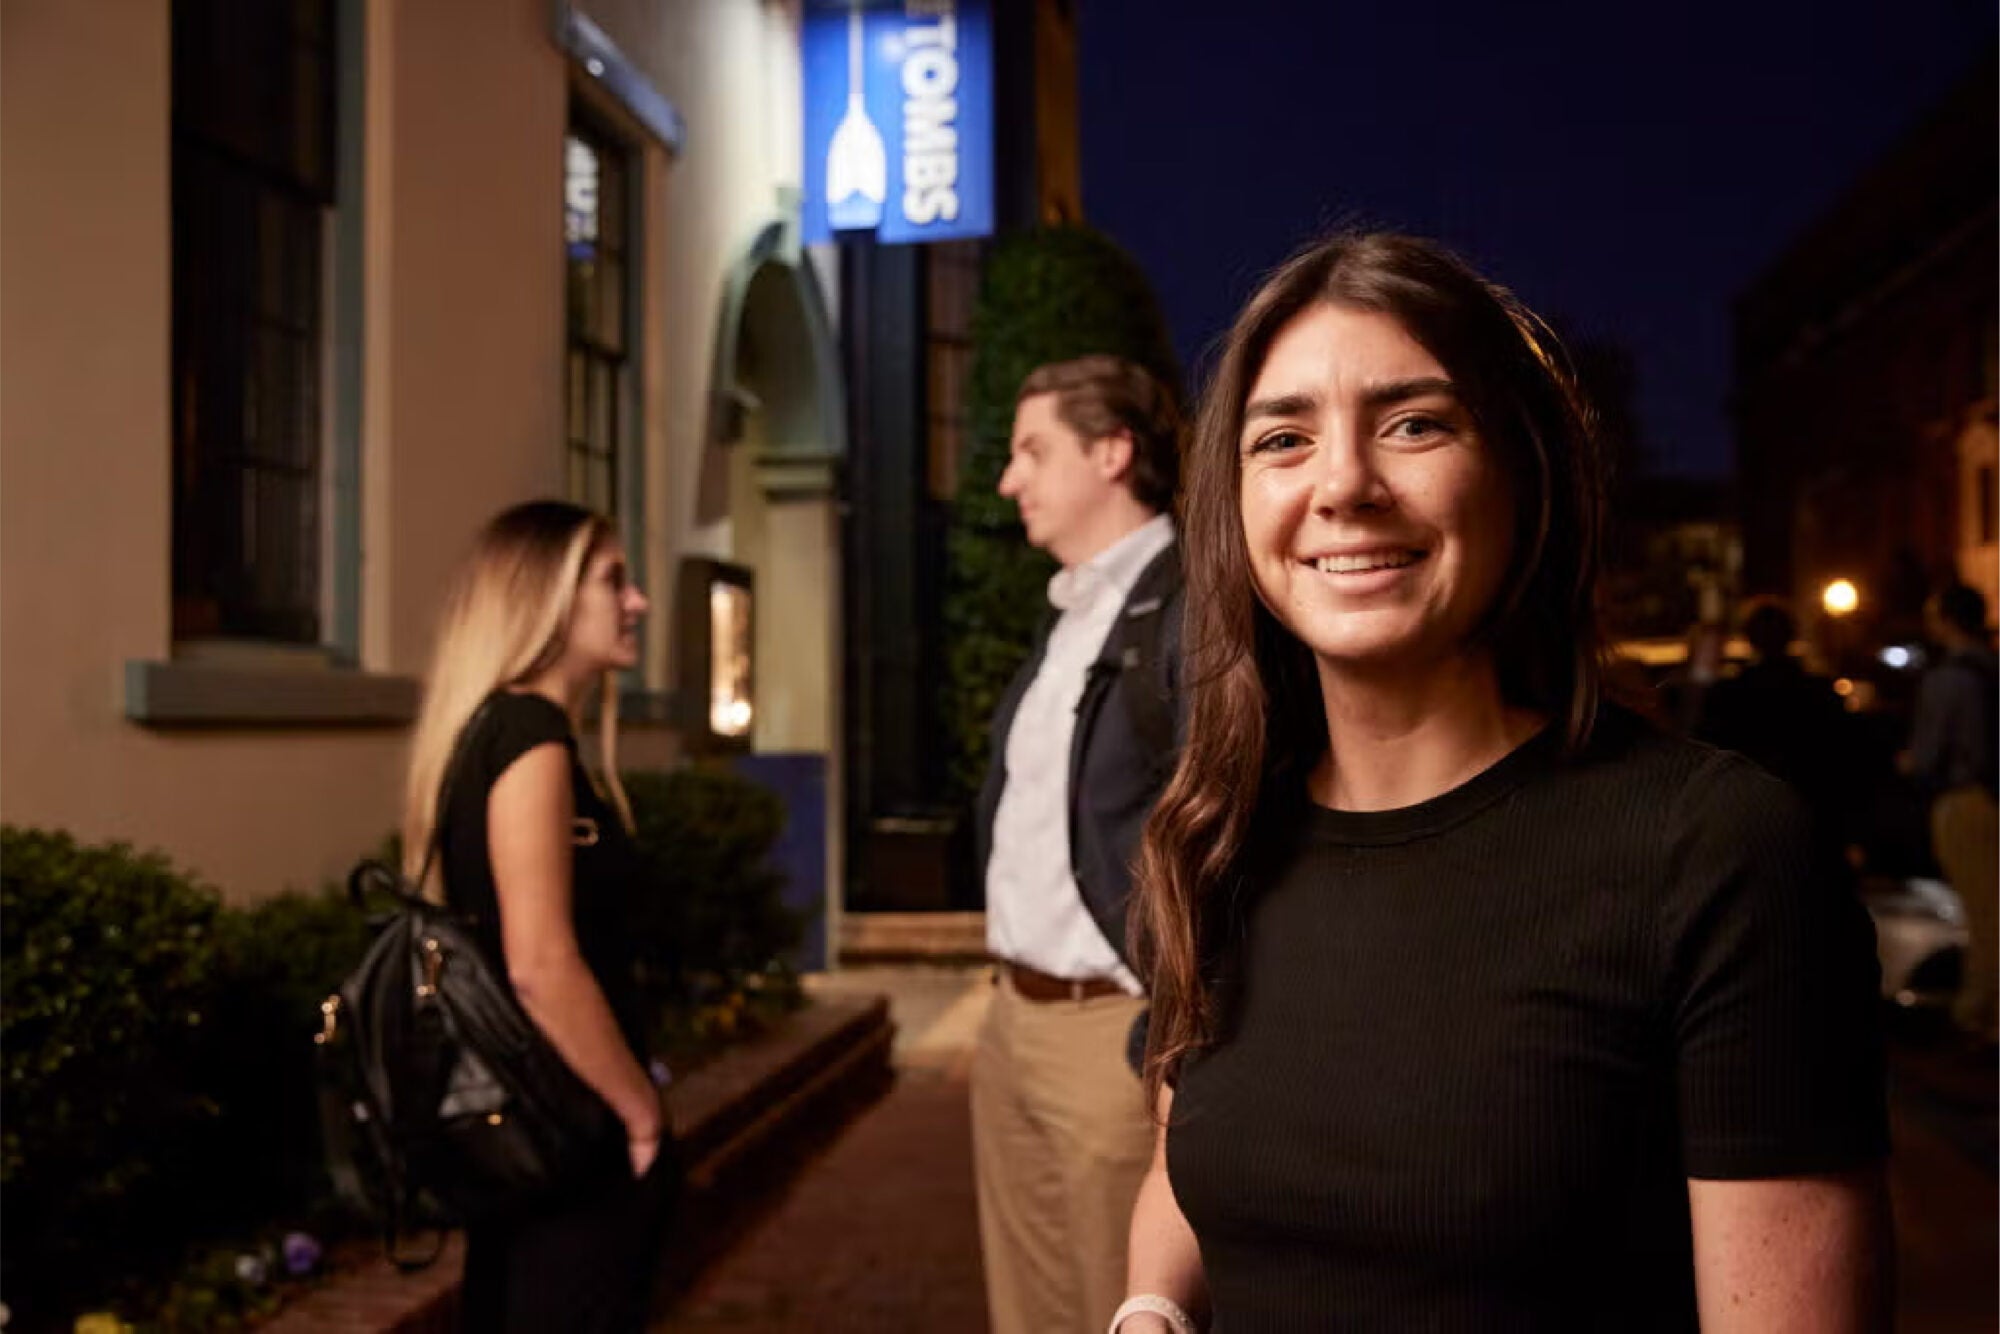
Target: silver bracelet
column 1152, row 1303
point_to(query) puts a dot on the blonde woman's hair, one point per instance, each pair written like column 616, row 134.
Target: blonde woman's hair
column 505, row 621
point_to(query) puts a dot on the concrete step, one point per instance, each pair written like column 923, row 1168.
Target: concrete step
column 890, row 937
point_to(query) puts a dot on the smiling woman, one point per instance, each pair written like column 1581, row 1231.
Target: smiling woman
column 1477, row 1003
column 1377, row 524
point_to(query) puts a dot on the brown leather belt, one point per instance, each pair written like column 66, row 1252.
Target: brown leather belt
column 1036, row 985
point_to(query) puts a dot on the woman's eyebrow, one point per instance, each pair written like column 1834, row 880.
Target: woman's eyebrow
column 1300, row 404
column 1305, row 403
column 1377, row 397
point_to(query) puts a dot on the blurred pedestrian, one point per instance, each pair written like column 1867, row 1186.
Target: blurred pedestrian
column 1477, row 1003
column 1953, row 741
column 1678, row 702
column 538, row 852
column 1082, row 741
column 1787, row 719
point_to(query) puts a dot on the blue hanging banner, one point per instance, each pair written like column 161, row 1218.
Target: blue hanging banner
column 899, row 119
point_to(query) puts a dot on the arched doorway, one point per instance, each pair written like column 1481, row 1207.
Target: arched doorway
column 768, row 499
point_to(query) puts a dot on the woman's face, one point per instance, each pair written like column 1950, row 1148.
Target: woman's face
column 1377, row 521
column 604, row 622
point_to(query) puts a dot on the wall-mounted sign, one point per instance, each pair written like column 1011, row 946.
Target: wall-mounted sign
column 899, row 119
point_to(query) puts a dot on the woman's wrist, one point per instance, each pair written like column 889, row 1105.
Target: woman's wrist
column 1151, row 1304
column 647, row 1121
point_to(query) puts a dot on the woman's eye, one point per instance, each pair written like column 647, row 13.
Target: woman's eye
column 1416, row 428
column 1277, row 442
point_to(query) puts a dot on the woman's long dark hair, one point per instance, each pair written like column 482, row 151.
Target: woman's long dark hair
column 1256, row 722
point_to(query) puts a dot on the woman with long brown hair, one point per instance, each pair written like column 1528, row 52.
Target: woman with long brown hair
column 536, row 851
column 1477, row 1003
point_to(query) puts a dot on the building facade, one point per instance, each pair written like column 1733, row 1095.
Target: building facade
column 296, row 295
column 907, row 339
column 1865, row 381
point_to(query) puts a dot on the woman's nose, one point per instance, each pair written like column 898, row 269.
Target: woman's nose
column 1349, row 481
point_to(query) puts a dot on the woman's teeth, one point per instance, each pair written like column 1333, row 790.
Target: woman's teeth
column 1381, row 560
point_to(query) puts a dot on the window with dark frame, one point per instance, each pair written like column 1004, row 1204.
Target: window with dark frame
column 254, row 166
column 597, row 176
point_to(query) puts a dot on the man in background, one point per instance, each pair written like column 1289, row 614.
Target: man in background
column 1953, row 745
column 1083, row 741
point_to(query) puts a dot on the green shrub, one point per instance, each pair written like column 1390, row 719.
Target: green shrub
column 276, row 961
column 712, row 921
column 1047, row 295
column 106, row 980
column 160, row 1095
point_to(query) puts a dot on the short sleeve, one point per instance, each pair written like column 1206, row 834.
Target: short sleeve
column 515, row 724
column 1773, row 986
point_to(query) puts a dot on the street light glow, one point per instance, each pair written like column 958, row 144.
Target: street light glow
column 1840, row 598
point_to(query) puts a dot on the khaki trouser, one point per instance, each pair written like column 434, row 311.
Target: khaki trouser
column 1060, row 1138
column 1965, row 835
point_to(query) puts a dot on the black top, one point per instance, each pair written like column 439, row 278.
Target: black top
column 604, row 862
column 1473, row 1049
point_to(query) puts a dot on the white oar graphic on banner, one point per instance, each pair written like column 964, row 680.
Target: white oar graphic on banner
column 857, row 165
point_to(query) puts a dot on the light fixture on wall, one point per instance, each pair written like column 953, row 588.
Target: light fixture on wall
column 715, row 634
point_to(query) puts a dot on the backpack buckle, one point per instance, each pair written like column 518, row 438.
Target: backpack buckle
column 329, row 1018
column 433, row 965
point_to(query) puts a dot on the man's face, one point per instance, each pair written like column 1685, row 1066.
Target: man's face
column 1061, row 482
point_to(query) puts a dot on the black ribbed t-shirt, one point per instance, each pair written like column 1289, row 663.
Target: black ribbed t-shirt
column 1473, row 1049
column 604, row 863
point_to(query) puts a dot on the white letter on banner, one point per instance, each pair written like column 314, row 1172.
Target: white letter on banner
column 927, row 127
column 930, row 75
column 930, row 113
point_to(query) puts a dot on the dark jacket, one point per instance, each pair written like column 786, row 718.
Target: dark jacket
column 1128, row 725
column 1952, row 735
column 1792, row 724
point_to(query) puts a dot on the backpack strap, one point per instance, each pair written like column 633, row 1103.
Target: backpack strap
column 373, row 874
column 337, row 1124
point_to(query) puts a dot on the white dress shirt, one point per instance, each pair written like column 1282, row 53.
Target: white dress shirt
column 1035, row 914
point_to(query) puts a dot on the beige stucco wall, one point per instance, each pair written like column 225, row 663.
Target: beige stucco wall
column 84, row 500
column 464, row 358
column 476, row 321
column 732, row 68
column 462, row 403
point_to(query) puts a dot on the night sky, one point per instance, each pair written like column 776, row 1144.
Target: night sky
column 1625, row 167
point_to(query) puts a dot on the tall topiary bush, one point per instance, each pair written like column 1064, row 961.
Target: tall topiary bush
column 1047, row 295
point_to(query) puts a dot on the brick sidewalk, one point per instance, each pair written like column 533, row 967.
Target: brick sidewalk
column 879, row 1236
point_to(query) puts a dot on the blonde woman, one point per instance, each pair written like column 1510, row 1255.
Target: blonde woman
column 539, row 856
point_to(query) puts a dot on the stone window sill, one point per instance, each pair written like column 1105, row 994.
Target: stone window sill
column 209, row 694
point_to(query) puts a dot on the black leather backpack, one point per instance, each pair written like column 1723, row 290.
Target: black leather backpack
column 434, row 1081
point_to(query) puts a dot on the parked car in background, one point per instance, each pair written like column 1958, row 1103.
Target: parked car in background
column 1920, row 938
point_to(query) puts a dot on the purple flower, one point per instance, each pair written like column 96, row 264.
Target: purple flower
column 302, row 1253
